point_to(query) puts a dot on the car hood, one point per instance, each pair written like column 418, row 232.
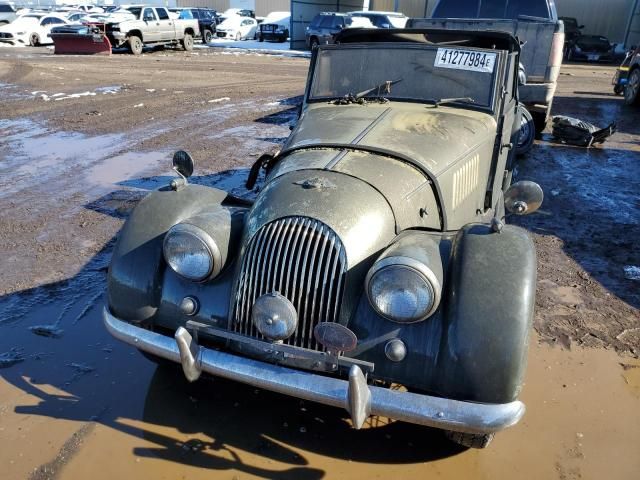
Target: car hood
column 434, row 138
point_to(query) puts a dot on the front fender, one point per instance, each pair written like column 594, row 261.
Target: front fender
column 474, row 346
column 489, row 312
column 135, row 275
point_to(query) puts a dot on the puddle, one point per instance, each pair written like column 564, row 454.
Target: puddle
column 35, row 158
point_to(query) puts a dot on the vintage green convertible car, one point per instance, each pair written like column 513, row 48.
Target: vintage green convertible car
column 375, row 252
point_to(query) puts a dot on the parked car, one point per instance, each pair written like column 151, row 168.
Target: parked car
column 275, row 26
column 374, row 254
column 325, row 26
column 571, row 29
column 591, row 48
column 534, row 22
column 151, row 26
column 383, row 19
column 8, row 13
column 237, row 27
column 206, row 20
column 30, row 29
column 632, row 85
column 243, row 12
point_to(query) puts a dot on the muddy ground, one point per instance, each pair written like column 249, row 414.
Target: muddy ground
column 83, row 139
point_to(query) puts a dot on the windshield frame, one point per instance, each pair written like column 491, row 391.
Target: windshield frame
column 491, row 108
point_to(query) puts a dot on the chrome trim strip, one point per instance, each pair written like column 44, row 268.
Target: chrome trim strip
column 405, row 406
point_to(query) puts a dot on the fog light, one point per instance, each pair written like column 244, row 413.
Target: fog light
column 395, row 350
column 274, row 316
column 189, row 306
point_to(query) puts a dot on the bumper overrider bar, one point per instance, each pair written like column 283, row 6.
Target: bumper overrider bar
column 354, row 395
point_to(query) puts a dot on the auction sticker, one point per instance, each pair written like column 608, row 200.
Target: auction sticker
column 461, row 59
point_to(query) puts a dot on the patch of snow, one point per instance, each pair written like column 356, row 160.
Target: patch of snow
column 76, row 95
column 255, row 47
column 138, row 105
column 632, row 272
column 218, row 100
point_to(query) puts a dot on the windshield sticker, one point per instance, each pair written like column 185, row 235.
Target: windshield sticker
column 465, row 60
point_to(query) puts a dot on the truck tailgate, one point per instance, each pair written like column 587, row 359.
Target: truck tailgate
column 536, row 34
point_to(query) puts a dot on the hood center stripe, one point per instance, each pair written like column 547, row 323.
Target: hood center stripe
column 335, row 160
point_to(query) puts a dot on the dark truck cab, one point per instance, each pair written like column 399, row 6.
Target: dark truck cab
column 536, row 25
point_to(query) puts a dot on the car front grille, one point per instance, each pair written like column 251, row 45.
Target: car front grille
column 303, row 260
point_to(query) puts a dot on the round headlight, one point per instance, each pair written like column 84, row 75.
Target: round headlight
column 402, row 289
column 191, row 252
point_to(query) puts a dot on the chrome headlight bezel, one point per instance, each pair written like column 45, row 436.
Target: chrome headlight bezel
column 422, row 271
column 208, row 243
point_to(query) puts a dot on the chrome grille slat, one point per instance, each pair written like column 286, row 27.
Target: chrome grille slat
column 300, row 258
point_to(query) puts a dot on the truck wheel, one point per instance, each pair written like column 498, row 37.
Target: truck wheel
column 135, row 45
column 314, row 43
column 187, row 42
column 260, row 38
column 540, row 120
column 526, row 132
column 34, row 40
column 206, row 36
column 632, row 88
column 470, row 440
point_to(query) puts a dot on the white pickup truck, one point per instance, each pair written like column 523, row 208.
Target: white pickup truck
column 151, row 26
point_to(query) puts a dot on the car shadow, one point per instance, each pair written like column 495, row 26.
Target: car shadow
column 55, row 351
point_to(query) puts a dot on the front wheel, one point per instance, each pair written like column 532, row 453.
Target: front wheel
column 135, row 45
column 632, row 88
column 470, row 440
column 526, row 132
column 187, row 42
column 34, row 40
column 207, row 35
column 314, row 43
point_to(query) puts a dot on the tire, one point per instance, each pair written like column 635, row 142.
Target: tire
column 618, row 89
column 526, row 132
column 314, row 43
column 238, row 37
column 632, row 88
column 187, row 42
column 540, row 120
column 34, row 40
column 207, row 35
column 260, row 38
column 135, row 45
column 470, row 440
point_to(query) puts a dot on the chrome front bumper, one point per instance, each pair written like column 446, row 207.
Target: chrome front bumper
column 354, row 395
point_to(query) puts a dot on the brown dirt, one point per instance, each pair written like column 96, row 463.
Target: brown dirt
column 79, row 404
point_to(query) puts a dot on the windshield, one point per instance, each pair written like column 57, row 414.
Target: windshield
column 427, row 72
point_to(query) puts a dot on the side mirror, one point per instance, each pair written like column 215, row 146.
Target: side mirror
column 523, row 197
column 183, row 163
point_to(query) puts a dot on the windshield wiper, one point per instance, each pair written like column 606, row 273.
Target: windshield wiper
column 444, row 101
column 384, row 86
